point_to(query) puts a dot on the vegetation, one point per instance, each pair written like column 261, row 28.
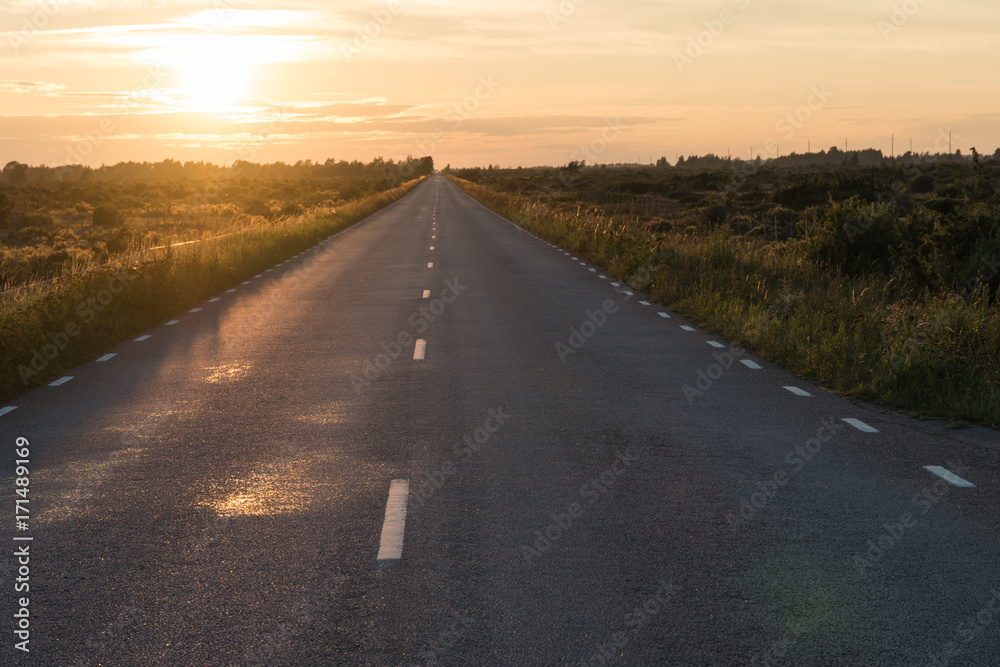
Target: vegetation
column 879, row 281
column 91, row 261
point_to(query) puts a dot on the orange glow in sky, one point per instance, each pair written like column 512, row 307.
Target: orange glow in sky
column 475, row 83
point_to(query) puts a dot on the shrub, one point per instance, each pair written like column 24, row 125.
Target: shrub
column 106, row 216
column 854, row 236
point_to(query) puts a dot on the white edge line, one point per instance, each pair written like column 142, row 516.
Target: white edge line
column 61, row 381
column 8, row 409
column 752, row 365
column 860, row 425
column 715, row 343
column 172, row 323
column 797, row 391
column 142, row 338
column 950, row 477
column 108, row 357
column 420, row 349
column 394, row 526
column 664, row 315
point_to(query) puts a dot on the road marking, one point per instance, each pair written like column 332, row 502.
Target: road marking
column 664, row 316
column 432, row 247
column 269, row 270
column 687, row 328
column 715, row 343
column 420, row 349
column 860, row 425
column 593, row 270
column 798, row 392
column 61, row 381
column 9, row 408
column 643, row 303
column 142, row 338
column 194, row 310
column 566, row 253
column 949, row 476
column 752, row 365
column 108, row 357
column 583, row 264
column 259, row 275
column 230, row 291
column 616, row 284
column 245, row 283
column 214, row 300
column 171, row 323
column 430, row 265
column 427, row 294
column 574, row 258
column 391, row 544
column 627, row 293
column 433, row 237
column 603, row 277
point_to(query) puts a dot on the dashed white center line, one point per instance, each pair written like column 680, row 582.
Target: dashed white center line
column 687, row 328
column 798, row 392
column 172, row 323
column 593, row 270
column 644, row 303
column 430, row 265
column 715, row 343
column 214, row 300
column 616, row 284
column 391, row 544
column 268, row 270
column 432, row 247
column 664, row 316
column 142, row 338
column 603, row 277
column 420, row 350
column 427, row 294
column 574, row 258
column 61, row 381
column 950, row 477
column 230, row 291
column 9, row 408
column 195, row 310
column 108, row 357
column 860, row 425
column 566, row 253
column 259, row 275
column 627, row 293
column 583, row 264
column 752, row 365
column 245, row 283
column 433, row 237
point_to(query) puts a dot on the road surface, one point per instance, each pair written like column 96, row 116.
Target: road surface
column 437, row 439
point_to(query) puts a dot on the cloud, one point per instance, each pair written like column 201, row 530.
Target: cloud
column 33, row 87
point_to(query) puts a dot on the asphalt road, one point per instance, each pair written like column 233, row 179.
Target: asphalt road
column 586, row 481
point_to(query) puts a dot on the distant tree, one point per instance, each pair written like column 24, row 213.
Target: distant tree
column 662, row 162
column 16, row 172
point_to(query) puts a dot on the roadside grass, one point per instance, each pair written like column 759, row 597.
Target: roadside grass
column 67, row 322
column 864, row 336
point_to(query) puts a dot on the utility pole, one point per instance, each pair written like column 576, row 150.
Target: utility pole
column 810, row 146
column 892, row 152
column 949, row 142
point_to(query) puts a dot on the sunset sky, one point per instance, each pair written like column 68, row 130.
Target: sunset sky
column 473, row 83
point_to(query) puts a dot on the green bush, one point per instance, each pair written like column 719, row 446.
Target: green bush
column 855, row 236
column 106, row 216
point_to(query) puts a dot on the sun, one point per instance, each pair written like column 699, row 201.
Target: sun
column 215, row 72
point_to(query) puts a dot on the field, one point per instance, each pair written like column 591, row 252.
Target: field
column 90, row 257
column 877, row 278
